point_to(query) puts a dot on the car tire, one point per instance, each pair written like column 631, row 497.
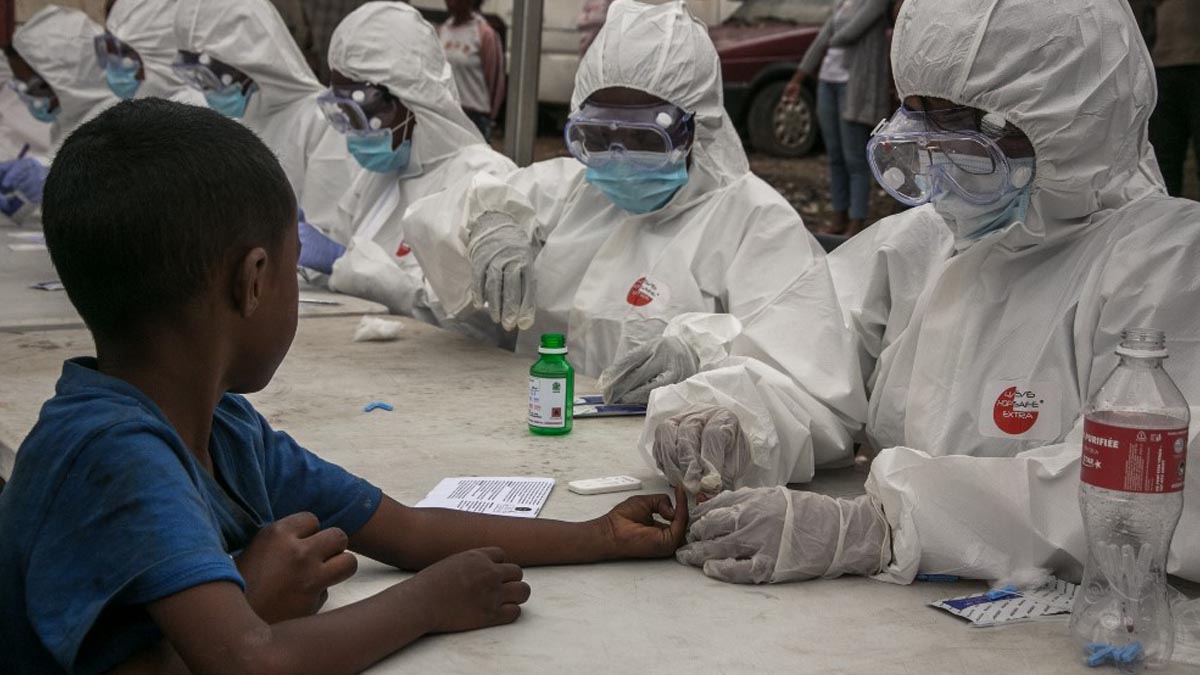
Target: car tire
column 782, row 130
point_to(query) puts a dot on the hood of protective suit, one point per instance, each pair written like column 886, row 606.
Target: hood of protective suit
column 149, row 27
column 665, row 51
column 389, row 44
column 1081, row 87
column 57, row 42
column 250, row 36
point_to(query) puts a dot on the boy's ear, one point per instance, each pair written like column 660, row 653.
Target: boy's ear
column 249, row 284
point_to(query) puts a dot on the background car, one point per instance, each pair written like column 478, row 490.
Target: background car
column 760, row 45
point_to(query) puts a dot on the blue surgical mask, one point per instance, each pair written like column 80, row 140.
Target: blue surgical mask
column 638, row 191
column 971, row 222
column 122, row 80
column 374, row 151
column 230, row 101
column 43, row 113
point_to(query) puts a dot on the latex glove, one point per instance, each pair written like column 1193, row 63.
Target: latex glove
column 703, row 449
column 318, row 252
column 25, row 175
column 502, row 269
column 10, row 205
column 773, row 535
column 660, row 362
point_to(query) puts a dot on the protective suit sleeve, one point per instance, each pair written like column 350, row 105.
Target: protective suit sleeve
column 365, row 270
column 437, row 226
column 792, row 377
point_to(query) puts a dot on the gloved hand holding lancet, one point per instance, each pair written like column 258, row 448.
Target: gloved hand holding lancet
column 631, row 378
column 26, row 176
column 502, row 256
column 773, row 535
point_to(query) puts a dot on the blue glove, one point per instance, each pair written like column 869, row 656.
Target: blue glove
column 25, row 175
column 10, row 205
column 318, row 252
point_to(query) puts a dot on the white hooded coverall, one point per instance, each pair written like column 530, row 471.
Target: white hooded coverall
column 727, row 262
column 389, row 44
column 149, row 27
column 57, row 42
column 251, row 36
column 1039, row 306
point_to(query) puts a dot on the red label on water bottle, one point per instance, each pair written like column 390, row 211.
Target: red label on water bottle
column 1133, row 460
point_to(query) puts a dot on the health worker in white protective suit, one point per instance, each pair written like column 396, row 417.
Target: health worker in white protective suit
column 19, row 128
column 1047, row 234
column 240, row 55
column 654, row 249
column 56, row 75
column 137, row 50
column 393, row 98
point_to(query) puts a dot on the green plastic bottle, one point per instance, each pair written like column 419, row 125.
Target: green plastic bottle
column 551, row 388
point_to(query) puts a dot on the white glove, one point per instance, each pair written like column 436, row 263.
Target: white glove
column 703, row 448
column 502, row 269
column 661, row 361
column 773, row 535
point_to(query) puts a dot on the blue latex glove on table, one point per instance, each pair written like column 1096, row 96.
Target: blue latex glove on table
column 317, row 252
column 26, row 176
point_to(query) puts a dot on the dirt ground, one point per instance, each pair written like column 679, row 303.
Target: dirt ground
column 805, row 182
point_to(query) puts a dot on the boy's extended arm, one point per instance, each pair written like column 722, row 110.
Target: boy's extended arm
column 412, row 538
column 212, row 628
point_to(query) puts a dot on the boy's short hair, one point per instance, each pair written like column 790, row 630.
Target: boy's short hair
column 145, row 204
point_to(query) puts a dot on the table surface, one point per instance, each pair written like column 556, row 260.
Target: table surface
column 24, row 309
column 459, row 410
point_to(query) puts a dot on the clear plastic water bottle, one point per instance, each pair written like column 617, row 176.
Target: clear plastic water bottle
column 1135, row 438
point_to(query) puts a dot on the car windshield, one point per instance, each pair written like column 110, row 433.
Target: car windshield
column 790, row 11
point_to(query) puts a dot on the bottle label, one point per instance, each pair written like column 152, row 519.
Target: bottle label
column 548, row 402
column 1133, row 460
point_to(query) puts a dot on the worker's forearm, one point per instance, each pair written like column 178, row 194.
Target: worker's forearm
column 526, row 542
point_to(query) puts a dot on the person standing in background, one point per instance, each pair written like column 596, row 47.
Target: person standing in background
column 476, row 57
column 1176, row 53
column 850, row 58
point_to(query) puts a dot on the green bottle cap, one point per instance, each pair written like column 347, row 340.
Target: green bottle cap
column 553, row 343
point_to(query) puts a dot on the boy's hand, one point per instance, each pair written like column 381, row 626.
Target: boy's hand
column 289, row 565
column 472, row 589
column 633, row 532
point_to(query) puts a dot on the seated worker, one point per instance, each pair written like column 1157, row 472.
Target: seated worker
column 654, row 248
column 55, row 74
column 1047, row 233
column 240, row 54
column 394, row 99
column 137, row 51
column 154, row 522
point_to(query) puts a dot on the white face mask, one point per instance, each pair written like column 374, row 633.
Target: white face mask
column 971, row 222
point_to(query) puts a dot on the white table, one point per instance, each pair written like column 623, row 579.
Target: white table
column 459, row 410
column 24, row 309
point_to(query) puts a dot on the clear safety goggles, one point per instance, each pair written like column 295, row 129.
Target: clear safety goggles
column 35, row 92
column 112, row 53
column 361, row 109
column 914, row 152
column 644, row 136
column 205, row 73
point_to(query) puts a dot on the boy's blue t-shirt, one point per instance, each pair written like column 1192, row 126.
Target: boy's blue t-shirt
column 107, row 511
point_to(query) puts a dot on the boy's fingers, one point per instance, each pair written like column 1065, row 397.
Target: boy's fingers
column 328, row 542
column 302, row 524
column 510, row 572
column 516, row 592
column 338, row 569
column 679, row 523
column 507, row 613
column 496, row 553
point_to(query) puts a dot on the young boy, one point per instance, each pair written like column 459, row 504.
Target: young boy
column 154, row 521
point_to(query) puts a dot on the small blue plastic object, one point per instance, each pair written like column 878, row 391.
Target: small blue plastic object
column 380, row 405
column 1099, row 654
column 1009, row 591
